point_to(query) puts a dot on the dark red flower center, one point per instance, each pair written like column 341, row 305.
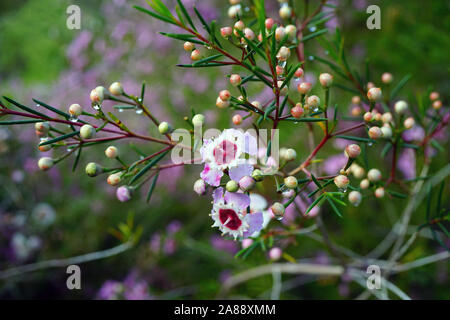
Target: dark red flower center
column 225, row 152
column 230, row 219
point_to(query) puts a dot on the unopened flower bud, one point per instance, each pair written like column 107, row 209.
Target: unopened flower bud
column 356, row 99
column 222, row 104
column 226, row 32
column 111, row 152
column 45, row 147
column 386, row 117
column 196, row 55
column 326, row 80
column 284, row 90
column 278, row 210
column 87, row 131
column 409, row 123
column 376, row 115
column 246, row 183
column 434, row 95
column 374, row 94
column 304, row 87
column 280, row 32
column 43, row 127
column 164, row 127
column 235, row 80
column 93, row 169
column 275, row 253
column 375, row 132
column 45, row 163
column 364, row 184
column 356, row 111
column 401, row 107
column 75, row 110
column 368, row 116
column 285, row 12
column 370, row 85
column 358, row 172
column 198, row 120
column 284, row 53
column 269, row 23
column 313, row 101
column 232, row 186
column 386, row 78
column 297, row 111
column 257, row 175
column 291, row 31
column 188, row 46
column 234, row 11
column 355, row 198
column 352, row 151
column 437, row 104
column 237, row 119
column 247, row 243
column 200, row 187
column 374, row 175
column 225, row 95
column 123, row 194
column 341, row 181
column 114, row 179
column 386, row 131
column 291, row 182
column 279, row 70
column 249, row 34
column 98, row 94
column 239, row 25
column 116, row 88
column 298, row 73
column 379, row 192
column 288, row 194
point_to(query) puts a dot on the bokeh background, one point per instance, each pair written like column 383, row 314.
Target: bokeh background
column 60, row 214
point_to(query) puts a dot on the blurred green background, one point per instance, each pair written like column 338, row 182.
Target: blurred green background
column 41, row 58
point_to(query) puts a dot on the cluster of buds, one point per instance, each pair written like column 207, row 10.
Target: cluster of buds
column 223, row 100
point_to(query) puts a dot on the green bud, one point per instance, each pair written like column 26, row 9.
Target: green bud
column 257, row 175
column 87, row 131
column 164, row 128
column 232, row 186
column 198, row 120
column 93, row 169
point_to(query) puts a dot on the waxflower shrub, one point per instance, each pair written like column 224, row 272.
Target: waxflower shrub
column 254, row 189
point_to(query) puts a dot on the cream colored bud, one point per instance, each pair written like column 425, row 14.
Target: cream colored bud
column 409, row 123
column 198, row 120
column 188, row 46
column 114, row 179
column 374, row 175
column 222, row 104
column 116, row 88
column 400, row 107
column 283, row 54
column 326, row 80
column 75, row 110
column 355, row 198
column 341, row 181
column 291, row 182
column 379, row 192
column 87, row 131
column 111, row 152
column 313, row 101
column 374, row 94
column 386, row 117
column 285, row 12
column 352, row 150
column 45, row 163
column 375, row 132
column 386, row 78
column 364, row 184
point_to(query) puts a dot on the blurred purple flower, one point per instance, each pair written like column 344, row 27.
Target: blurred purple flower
column 334, row 163
column 223, row 244
column 407, row 163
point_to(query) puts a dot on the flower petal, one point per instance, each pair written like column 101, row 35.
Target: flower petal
column 211, row 176
column 240, row 200
column 250, row 144
column 217, row 194
column 255, row 221
column 242, row 170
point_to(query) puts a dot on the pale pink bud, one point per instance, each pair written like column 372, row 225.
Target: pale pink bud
column 356, row 111
column 370, row 85
column 374, row 94
column 379, row 192
column 235, row 80
column 409, row 123
column 375, row 132
column 226, row 31
column 247, row 243
column 288, row 194
column 196, row 55
column 355, row 198
column 225, row 95
column 298, row 73
column 341, row 181
column 386, row 78
column 284, row 53
column 114, row 179
column 304, row 87
column 386, row 117
column 249, row 34
column 200, row 187
column 111, row 152
column 269, row 23
column 280, row 70
column 401, row 107
column 356, row 99
column 434, row 95
column 352, row 151
column 275, row 253
column 297, row 111
column 234, row 11
column 364, row 184
column 437, row 104
column 280, row 32
column 239, row 25
column 188, row 46
column 246, row 183
column 313, row 101
column 123, row 194
column 374, row 175
column 222, row 104
column 237, row 119
column 326, row 80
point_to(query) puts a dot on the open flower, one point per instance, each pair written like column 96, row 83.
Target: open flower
column 227, row 152
column 232, row 215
